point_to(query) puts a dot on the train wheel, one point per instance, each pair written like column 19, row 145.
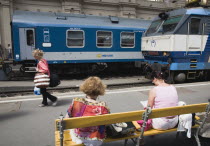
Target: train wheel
column 147, row 71
column 207, row 76
column 180, row 78
column 7, row 69
column 102, row 66
column 22, row 69
column 170, row 79
column 94, row 69
column 11, row 75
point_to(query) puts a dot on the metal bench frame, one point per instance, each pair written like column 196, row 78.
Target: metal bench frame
column 79, row 122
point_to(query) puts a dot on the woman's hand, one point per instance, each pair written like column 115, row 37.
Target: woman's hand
column 67, row 115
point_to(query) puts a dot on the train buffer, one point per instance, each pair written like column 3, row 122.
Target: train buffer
column 63, row 138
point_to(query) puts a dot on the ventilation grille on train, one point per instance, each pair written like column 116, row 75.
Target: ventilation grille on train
column 193, row 63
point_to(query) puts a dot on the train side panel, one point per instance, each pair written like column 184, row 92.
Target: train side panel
column 77, row 41
column 59, row 51
column 178, row 44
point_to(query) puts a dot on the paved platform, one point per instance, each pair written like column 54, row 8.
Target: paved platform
column 7, row 86
column 9, row 107
column 119, row 100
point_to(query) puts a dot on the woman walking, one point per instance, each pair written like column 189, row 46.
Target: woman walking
column 42, row 67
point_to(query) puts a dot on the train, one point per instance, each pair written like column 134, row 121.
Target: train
column 178, row 43
column 76, row 43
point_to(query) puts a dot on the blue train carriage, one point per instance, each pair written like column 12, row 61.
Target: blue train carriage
column 77, row 43
column 178, row 43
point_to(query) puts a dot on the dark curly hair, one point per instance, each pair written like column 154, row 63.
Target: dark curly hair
column 158, row 75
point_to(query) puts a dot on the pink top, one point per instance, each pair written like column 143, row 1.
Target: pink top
column 43, row 67
column 166, row 96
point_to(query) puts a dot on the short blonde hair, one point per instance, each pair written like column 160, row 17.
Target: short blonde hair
column 38, row 53
column 93, row 86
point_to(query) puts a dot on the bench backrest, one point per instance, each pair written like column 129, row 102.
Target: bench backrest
column 80, row 122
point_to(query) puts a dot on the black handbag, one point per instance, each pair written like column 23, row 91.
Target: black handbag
column 129, row 130
column 54, row 80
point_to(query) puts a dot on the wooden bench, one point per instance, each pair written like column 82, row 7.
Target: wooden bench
column 62, row 126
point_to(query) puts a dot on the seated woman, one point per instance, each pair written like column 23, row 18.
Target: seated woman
column 161, row 96
column 89, row 106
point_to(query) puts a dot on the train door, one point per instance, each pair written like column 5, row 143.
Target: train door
column 195, row 36
column 27, row 43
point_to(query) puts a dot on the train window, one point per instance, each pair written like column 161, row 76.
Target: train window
column 154, row 26
column 75, row 38
column 170, row 24
column 127, row 39
column 195, row 25
column 104, row 39
column 30, row 37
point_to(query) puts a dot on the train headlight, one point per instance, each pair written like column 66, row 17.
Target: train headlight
column 144, row 53
column 166, row 53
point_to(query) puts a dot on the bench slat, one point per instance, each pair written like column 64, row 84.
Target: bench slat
column 179, row 110
column 68, row 140
column 80, row 122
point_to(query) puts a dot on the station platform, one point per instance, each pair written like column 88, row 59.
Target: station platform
column 14, row 86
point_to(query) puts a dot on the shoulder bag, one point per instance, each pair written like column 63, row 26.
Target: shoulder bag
column 54, row 80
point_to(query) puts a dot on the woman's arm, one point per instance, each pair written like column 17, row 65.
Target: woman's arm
column 68, row 113
column 151, row 98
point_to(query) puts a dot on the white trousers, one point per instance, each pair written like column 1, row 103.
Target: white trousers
column 164, row 123
column 92, row 142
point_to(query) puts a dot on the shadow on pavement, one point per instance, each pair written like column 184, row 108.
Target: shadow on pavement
column 64, row 102
column 12, row 115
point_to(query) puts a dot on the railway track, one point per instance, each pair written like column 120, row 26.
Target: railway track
column 14, row 88
column 24, row 90
column 111, row 80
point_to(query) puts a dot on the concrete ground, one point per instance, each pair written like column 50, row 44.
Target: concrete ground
column 23, row 123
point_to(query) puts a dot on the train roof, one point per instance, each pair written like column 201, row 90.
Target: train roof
column 66, row 19
column 188, row 11
column 191, row 11
column 198, row 11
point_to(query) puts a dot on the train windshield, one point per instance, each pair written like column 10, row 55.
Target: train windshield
column 154, row 26
column 170, row 24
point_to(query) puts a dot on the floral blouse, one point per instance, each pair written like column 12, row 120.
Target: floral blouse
column 88, row 107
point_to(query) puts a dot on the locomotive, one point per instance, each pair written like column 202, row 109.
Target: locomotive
column 76, row 43
column 178, row 43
